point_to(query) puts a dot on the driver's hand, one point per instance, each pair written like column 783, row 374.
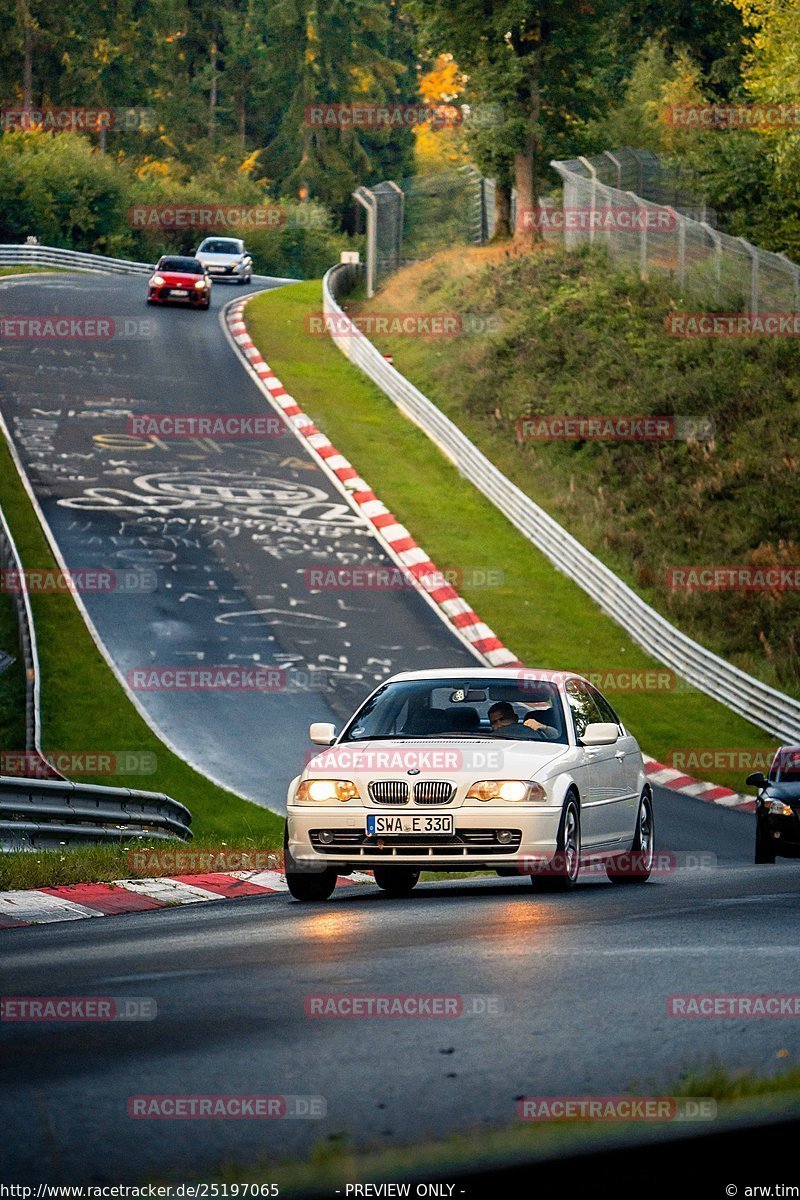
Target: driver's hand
column 533, row 723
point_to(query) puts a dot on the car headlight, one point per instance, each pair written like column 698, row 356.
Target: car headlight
column 157, row 281
column 324, row 791
column 779, row 809
column 201, row 283
column 513, row 791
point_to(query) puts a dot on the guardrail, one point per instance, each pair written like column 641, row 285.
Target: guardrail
column 758, row 703
column 46, row 813
column 72, row 260
column 11, row 561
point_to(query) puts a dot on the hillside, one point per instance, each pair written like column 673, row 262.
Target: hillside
column 570, row 337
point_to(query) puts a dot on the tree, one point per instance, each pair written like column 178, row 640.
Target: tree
column 531, row 62
column 341, row 52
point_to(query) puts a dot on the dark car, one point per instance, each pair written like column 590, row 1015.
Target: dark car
column 778, row 807
column 179, row 280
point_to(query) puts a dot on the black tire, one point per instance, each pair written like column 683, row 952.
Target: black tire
column 562, row 873
column 765, row 846
column 396, row 881
column 306, row 885
column 639, row 863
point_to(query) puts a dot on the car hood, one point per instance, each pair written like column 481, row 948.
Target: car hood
column 459, row 760
column 219, row 260
column 178, row 279
column 788, row 792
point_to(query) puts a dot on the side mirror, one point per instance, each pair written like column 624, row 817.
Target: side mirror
column 600, row 733
column 756, row 779
column 322, row 733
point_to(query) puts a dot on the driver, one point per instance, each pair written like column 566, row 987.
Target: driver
column 502, row 714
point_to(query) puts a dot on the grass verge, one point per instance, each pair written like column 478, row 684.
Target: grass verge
column 27, row 270
column 545, row 618
column 85, row 708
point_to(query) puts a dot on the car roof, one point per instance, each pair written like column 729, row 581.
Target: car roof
column 540, row 674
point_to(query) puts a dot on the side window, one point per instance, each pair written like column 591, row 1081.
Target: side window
column 584, row 709
column 606, row 711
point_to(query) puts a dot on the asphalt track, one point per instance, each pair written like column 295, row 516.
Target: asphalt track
column 581, row 981
column 230, row 529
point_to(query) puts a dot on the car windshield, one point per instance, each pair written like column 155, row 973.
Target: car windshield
column 418, row 708
column 786, row 766
column 187, row 266
column 220, row 246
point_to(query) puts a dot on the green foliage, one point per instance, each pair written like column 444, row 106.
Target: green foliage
column 60, row 189
column 225, row 80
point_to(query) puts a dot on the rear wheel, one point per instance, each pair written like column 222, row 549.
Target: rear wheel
column 306, row 885
column 636, row 866
column 396, row 881
column 562, row 872
column 765, row 846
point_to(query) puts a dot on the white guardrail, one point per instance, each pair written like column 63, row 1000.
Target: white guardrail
column 758, row 703
column 68, row 260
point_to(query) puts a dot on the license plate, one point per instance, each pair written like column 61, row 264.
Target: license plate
column 179, row 292
column 410, row 823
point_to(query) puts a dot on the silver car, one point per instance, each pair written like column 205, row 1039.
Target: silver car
column 225, row 258
column 521, row 771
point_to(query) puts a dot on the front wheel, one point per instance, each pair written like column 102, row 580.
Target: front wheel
column 396, row 881
column 636, row 866
column 306, row 885
column 561, row 874
column 765, row 847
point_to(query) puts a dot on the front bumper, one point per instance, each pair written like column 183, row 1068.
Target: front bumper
column 220, row 274
column 474, row 844
column 783, row 834
column 163, row 295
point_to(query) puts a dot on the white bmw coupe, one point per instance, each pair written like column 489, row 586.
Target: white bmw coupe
column 521, row 771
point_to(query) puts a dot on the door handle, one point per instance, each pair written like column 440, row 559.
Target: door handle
column 620, row 754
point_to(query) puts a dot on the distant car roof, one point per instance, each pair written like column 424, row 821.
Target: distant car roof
column 209, row 244
column 192, row 266
column 528, row 675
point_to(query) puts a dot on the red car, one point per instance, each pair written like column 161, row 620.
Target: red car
column 181, row 281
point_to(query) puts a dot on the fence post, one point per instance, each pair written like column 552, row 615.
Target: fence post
column 593, row 202
column 613, row 158
column 367, row 201
column 401, row 224
column 681, row 220
column 717, row 240
column 795, row 273
column 753, row 252
column 642, row 239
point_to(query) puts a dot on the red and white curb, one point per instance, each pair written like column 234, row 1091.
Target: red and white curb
column 412, row 558
column 73, row 901
column 712, row 793
column 396, row 539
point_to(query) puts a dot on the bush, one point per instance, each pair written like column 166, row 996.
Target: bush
column 60, row 189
